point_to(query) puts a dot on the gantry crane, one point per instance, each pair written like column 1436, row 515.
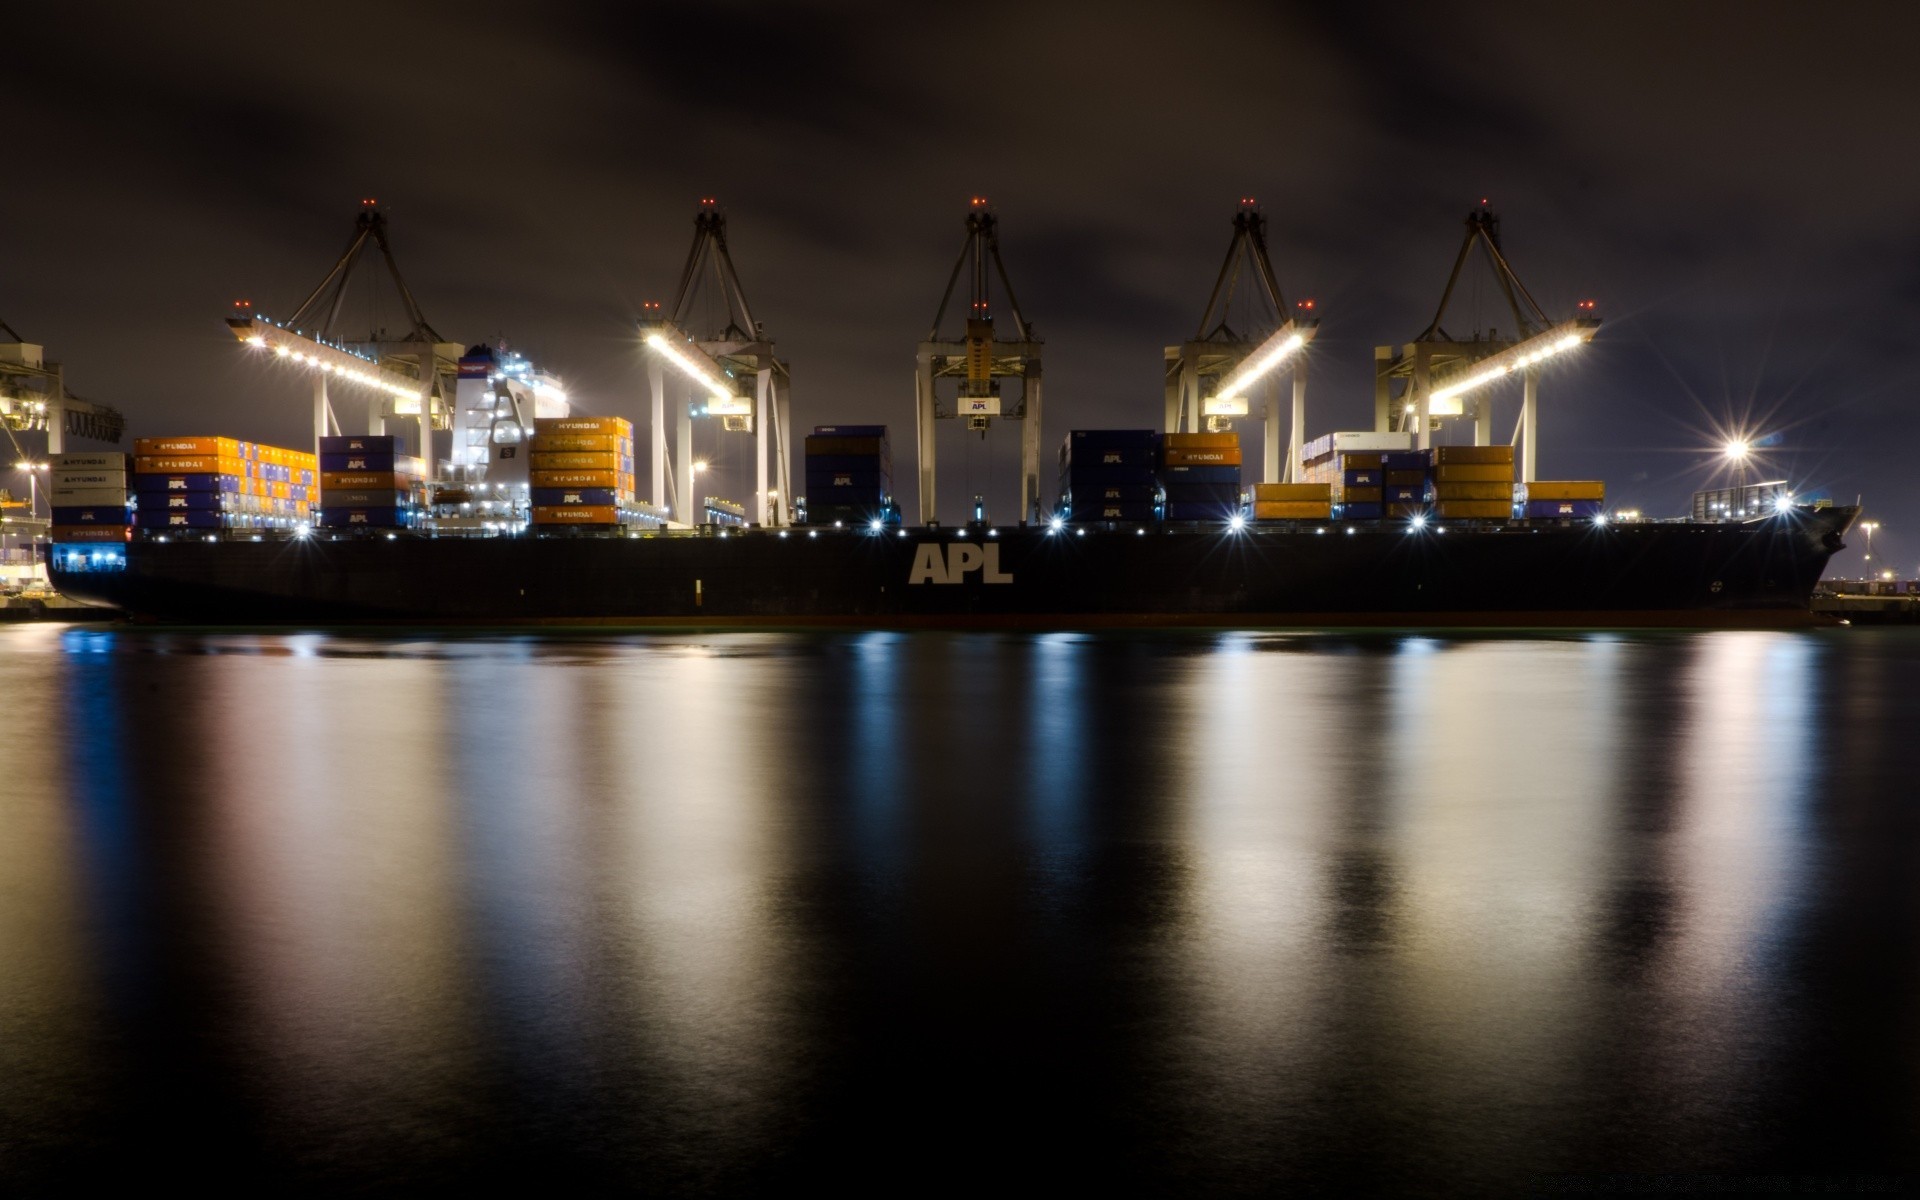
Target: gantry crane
column 1209, row 375
column 979, row 359
column 1442, row 377
column 715, row 348
column 34, row 399
column 412, row 376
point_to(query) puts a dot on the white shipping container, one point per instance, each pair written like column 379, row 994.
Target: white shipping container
column 94, row 479
column 89, row 497
column 93, row 460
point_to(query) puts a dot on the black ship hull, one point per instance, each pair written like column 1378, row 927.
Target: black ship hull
column 1291, row 574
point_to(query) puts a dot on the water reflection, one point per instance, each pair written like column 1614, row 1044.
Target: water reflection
column 734, row 912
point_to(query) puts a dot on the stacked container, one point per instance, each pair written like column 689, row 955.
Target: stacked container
column 1406, row 482
column 582, row 471
column 1107, row 475
column 1292, row 501
column 214, row 483
column 367, row 483
column 1200, row 476
column 1549, row 500
column 849, row 475
column 1331, row 458
column 90, row 497
column 1473, row 482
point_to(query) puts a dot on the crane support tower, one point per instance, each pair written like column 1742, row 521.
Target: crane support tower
column 412, row 377
column 1209, row 375
column 1436, row 376
column 978, row 360
column 34, row 399
column 714, row 350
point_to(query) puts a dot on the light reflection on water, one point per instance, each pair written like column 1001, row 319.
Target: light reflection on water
column 1404, row 911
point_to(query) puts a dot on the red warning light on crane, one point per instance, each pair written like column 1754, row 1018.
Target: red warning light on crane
column 1589, row 304
column 978, row 201
column 1247, row 202
column 1306, row 304
column 708, row 201
column 243, row 304
column 368, row 203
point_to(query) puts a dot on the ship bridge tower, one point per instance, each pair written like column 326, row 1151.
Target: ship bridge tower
column 723, row 366
column 978, row 359
column 1438, row 377
column 1246, row 335
column 34, row 399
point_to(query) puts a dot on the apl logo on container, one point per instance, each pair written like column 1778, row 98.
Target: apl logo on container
column 933, row 563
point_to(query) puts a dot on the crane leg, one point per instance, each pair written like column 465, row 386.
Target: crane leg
column 1030, row 455
column 1297, row 439
column 656, row 380
column 923, row 427
column 761, row 383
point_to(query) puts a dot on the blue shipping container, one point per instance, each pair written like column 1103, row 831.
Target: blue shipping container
column 1209, row 474
column 1085, row 510
column 362, row 443
column 866, row 431
column 1117, row 439
column 199, row 518
column 1363, row 478
column 1367, row 511
column 1140, row 475
column 1405, row 460
column 357, row 460
column 1177, row 510
column 1400, row 494
column 187, row 501
column 366, row 518
column 92, row 514
column 1547, row 510
column 549, row 497
column 1115, row 494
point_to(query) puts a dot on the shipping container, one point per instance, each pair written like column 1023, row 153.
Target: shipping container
column 1200, row 456
column 69, row 497
column 1406, row 460
column 1474, row 455
column 596, row 514
column 88, row 533
column 362, row 443
column 851, row 431
column 1404, row 478
column 1547, row 510
column 1566, row 489
column 1364, row 510
column 1363, row 495
column 1365, row 460
column 197, row 518
column 369, row 498
column 92, row 514
column 1115, row 494
column 1473, row 473
column 564, row 442
column 397, row 517
column 1091, row 510
column 170, row 464
column 90, row 461
column 359, row 480
column 1474, row 509
column 863, row 446
column 1189, row 474
column 1202, row 493
column 577, row 478
column 187, row 447
column 576, row 497
column 1136, row 475
column 619, row 426
column 1201, row 441
column 1292, row 510
column 1456, row 490
column 1361, row 478
column 1404, row 495
column 199, row 482
column 1279, row 493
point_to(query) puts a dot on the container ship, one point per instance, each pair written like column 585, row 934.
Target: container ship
column 533, row 515
column 1149, row 532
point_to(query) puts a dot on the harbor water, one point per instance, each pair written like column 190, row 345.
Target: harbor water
column 1395, row 912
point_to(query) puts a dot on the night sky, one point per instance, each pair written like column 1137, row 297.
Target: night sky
column 1734, row 183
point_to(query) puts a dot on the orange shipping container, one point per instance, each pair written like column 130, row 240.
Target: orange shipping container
column 197, row 464
column 1406, row 478
column 1479, row 455
column 1370, row 460
column 1280, row 492
column 1567, row 489
column 1474, row 473
column 202, row 447
column 544, row 442
column 592, row 479
column 1203, row 457
column 615, row 425
column 1362, row 495
column 1475, row 509
column 1202, row 441
column 582, row 460
column 592, row 514
column 1292, row 510
column 1456, row 490
column 354, row 481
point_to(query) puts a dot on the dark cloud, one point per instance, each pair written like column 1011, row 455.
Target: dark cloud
column 1731, row 180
